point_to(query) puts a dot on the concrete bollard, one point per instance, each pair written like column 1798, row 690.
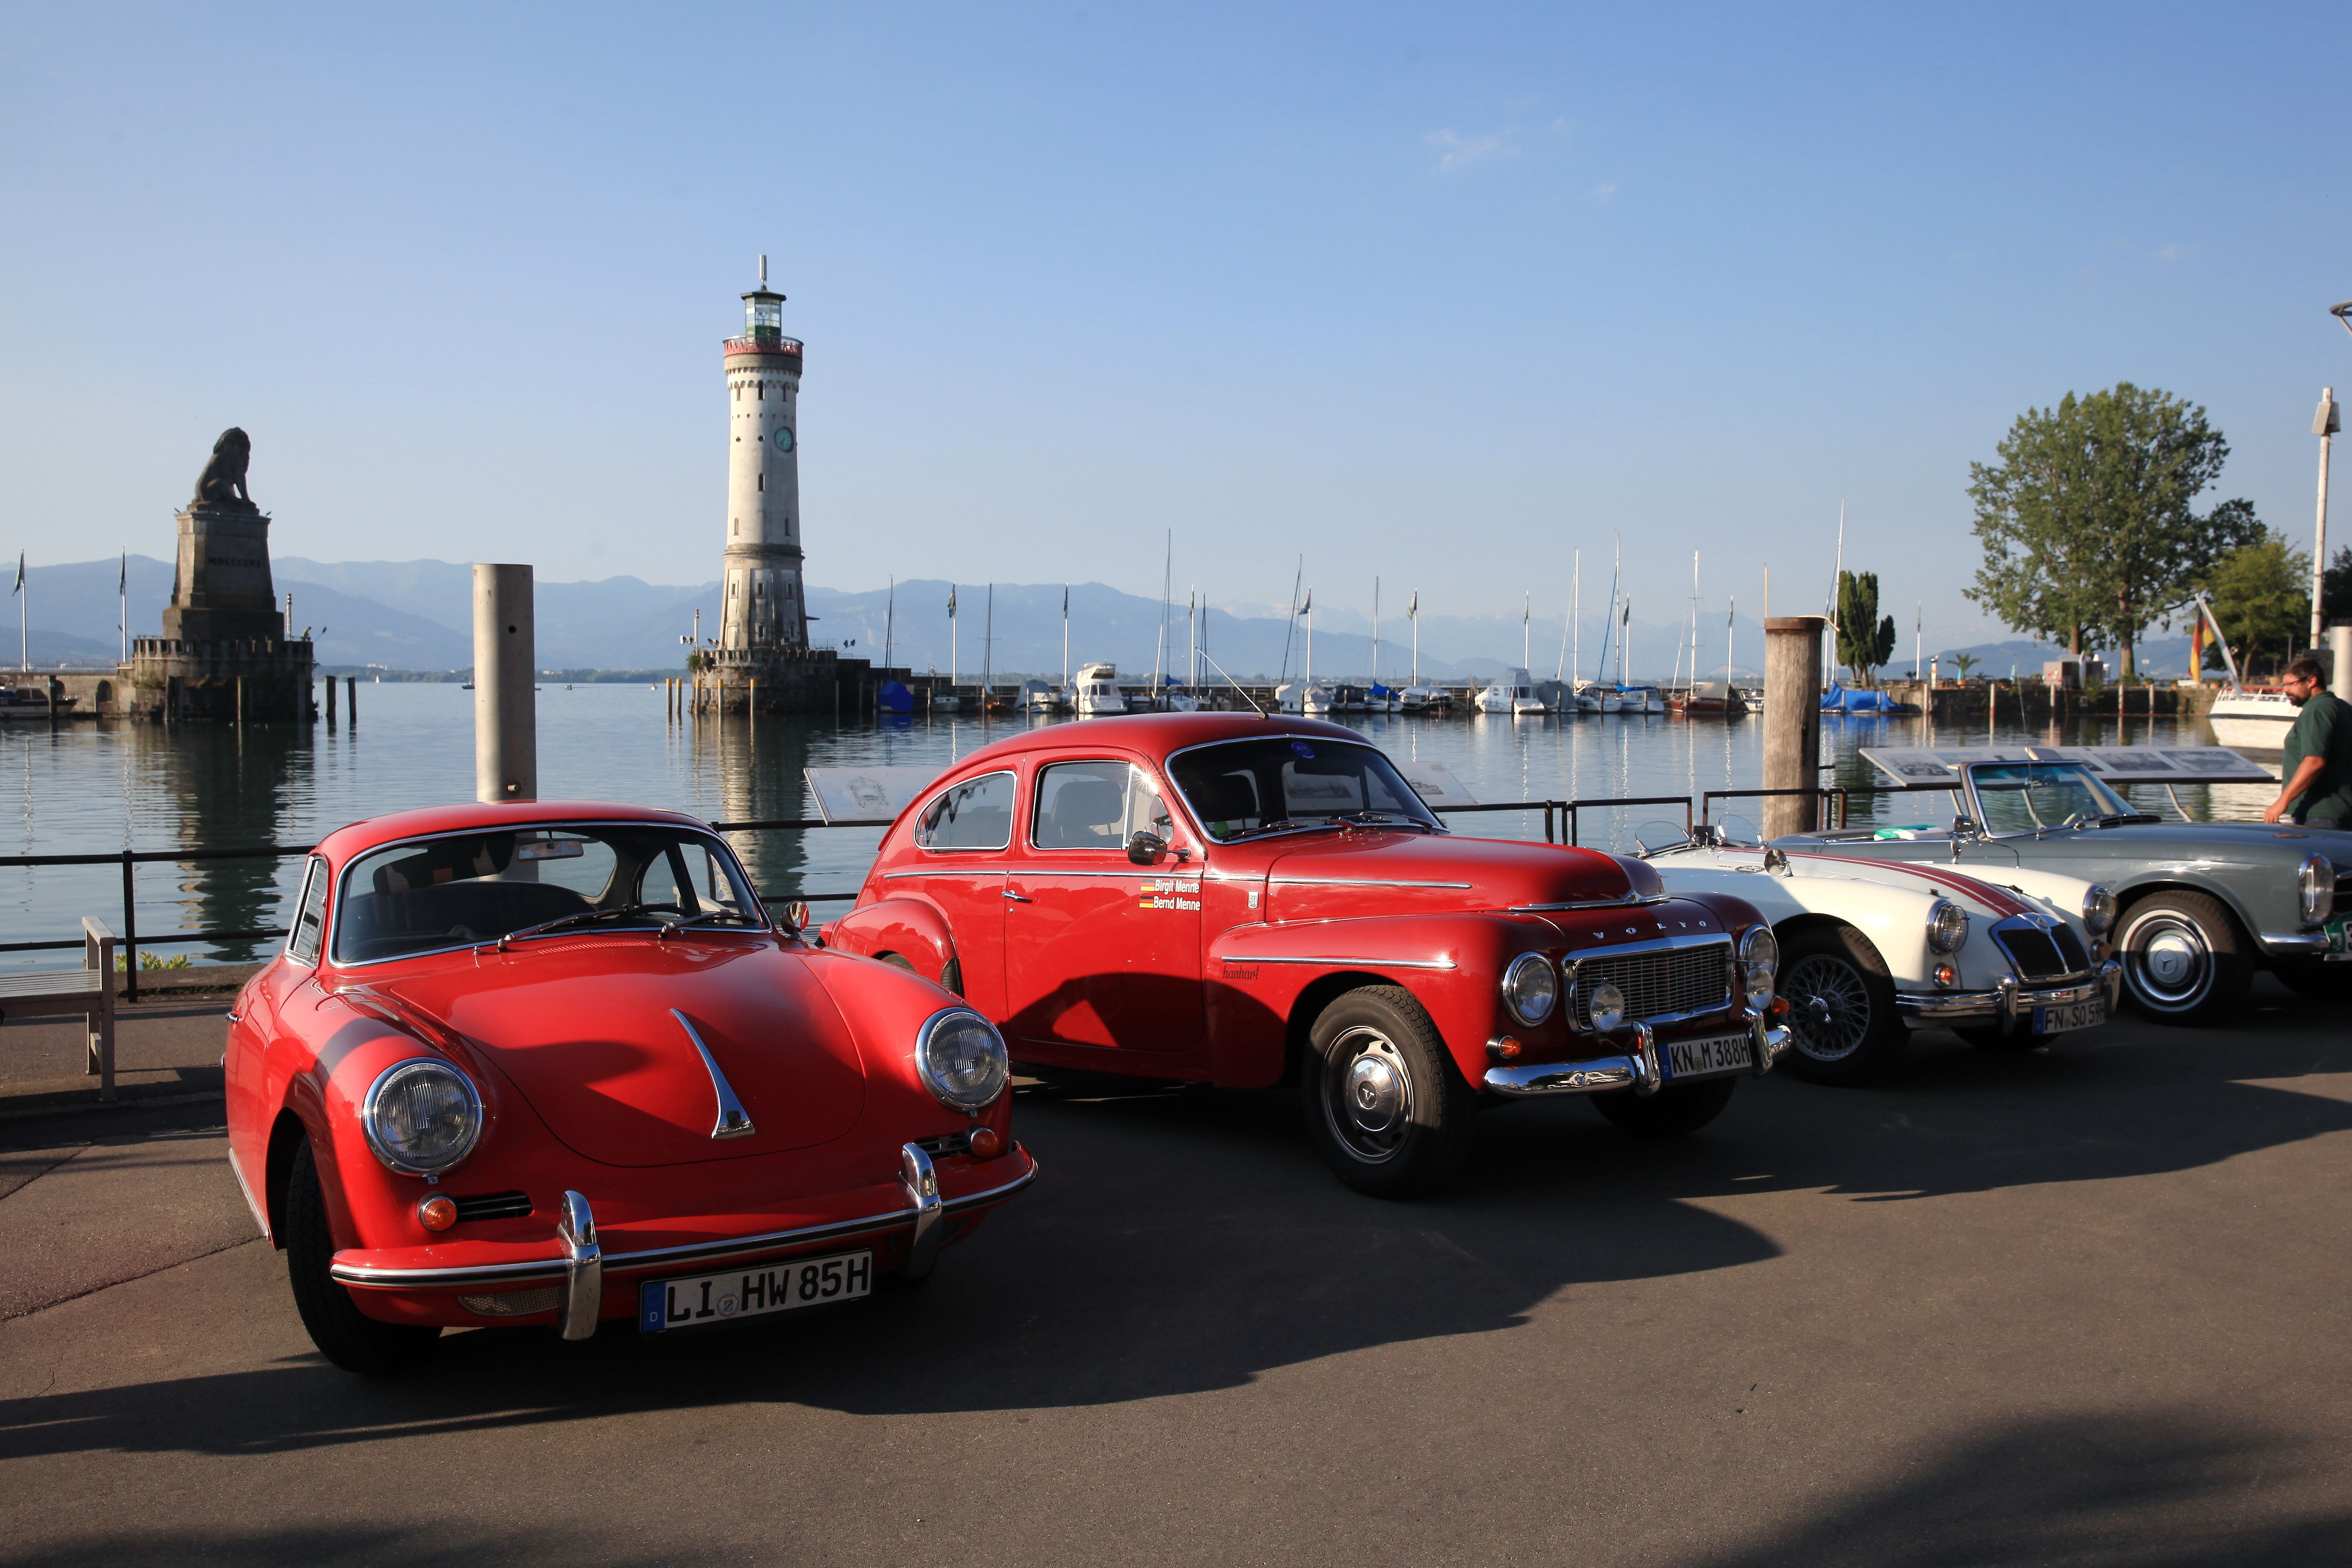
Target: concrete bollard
column 505, row 714
column 1792, row 721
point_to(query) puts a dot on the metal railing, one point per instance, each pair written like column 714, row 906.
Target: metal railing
column 1561, row 823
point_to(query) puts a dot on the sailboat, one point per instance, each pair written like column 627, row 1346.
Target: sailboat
column 893, row 697
column 1581, row 695
column 2256, row 719
column 1307, row 695
column 1417, row 697
column 1045, row 699
column 950, row 702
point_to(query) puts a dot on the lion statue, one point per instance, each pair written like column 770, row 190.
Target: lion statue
column 223, row 480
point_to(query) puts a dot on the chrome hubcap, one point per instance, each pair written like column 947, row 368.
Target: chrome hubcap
column 2167, row 960
column 1367, row 1094
column 1829, row 1007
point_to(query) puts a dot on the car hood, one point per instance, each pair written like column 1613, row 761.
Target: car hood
column 585, row 1030
column 1825, row 880
column 1338, row 876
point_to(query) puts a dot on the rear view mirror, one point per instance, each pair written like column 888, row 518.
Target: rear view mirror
column 796, row 917
column 1145, row 848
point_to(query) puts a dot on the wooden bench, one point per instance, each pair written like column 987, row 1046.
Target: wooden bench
column 89, row 991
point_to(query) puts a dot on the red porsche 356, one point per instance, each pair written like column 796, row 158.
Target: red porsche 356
column 1248, row 901
column 554, row 1064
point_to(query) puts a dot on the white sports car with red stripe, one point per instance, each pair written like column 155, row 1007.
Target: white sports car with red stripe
column 1871, row 950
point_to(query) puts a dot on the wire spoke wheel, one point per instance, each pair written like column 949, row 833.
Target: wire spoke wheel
column 1829, row 1007
column 1367, row 1094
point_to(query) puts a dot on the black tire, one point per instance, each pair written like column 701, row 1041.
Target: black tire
column 1385, row 1105
column 345, row 1335
column 2317, row 981
column 1844, row 1026
column 2184, row 961
column 1676, row 1110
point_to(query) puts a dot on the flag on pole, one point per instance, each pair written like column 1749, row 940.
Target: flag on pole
column 951, row 603
column 20, row 576
column 1413, row 610
column 122, row 581
column 1309, row 604
column 1065, row 598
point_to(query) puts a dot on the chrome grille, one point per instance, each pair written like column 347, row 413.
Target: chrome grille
column 494, row 1206
column 1660, row 984
column 2041, row 955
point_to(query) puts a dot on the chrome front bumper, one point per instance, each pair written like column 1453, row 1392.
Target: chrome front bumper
column 1637, row 1070
column 580, row 1267
column 2293, row 945
column 2008, row 1002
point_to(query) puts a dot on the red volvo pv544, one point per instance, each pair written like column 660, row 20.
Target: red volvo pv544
column 1248, row 902
column 553, row 1064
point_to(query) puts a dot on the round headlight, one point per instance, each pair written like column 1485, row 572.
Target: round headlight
column 1608, row 1005
column 1759, row 962
column 422, row 1116
column 1530, row 988
column 2098, row 910
column 2315, row 888
column 1947, row 926
column 962, row 1059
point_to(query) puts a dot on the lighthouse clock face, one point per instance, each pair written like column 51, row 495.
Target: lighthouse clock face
column 783, row 439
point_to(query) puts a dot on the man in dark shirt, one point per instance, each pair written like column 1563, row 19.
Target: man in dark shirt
column 2317, row 768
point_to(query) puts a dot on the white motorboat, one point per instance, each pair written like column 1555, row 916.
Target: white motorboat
column 1424, row 699
column 2253, row 719
column 1099, row 696
column 1042, row 697
column 1514, row 694
column 1316, row 698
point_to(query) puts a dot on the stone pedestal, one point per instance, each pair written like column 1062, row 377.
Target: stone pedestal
column 221, row 588
column 256, row 679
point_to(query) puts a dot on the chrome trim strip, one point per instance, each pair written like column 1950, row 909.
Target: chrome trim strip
column 1628, row 901
column 1368, row 962
column 953, row 871
column 733, row 1122
column 915, row 816
column 583, row 1267
column 1652, row 1077
column 259, row 1219
column 1353, row 882
column 2293, row 945
column 1597, row 1076
column 920, row 1183
column 665, row 1256
column 1131, row 870
column 1943, row 1006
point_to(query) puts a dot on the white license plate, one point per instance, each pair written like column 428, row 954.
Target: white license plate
column 1707, row 1057
column 754, row 1291
column 2074, row 1015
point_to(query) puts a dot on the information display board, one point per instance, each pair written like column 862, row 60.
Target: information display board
column 1919, row 769
column 866, row 794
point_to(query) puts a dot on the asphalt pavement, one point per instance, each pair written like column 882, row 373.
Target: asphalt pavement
column 2088, row 1306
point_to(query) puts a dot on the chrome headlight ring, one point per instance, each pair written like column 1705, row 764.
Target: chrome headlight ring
column 1530, row 988
column 961, row 1059
column 1608, row 1004
column 1947, row 927
column 422, row 1117
column 2314, row 889
column 2099, row 910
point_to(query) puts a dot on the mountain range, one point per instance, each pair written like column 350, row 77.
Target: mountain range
column 416, row 616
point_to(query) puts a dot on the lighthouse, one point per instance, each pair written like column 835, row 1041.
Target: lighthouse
column 763, row 614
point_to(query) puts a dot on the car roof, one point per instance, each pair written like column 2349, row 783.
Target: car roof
column 501, row 816
column 1154, row 734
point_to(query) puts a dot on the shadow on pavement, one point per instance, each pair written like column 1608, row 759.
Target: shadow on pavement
column 1187, row 1239
column 2153, row 1489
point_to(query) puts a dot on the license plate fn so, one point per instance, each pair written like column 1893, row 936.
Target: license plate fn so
column 1709, row 1057
column 754, row 1291
column 2072, row 1016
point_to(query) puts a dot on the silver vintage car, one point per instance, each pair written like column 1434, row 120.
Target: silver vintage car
column 2200, row 906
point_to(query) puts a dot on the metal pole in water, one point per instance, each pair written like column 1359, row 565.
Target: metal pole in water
column 351, row 700
column 506, row 716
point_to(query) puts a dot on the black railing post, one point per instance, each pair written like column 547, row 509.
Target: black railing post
column 130, row 935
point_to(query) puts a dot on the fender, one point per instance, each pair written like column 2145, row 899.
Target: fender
column 908, row 926
column 1258, row 976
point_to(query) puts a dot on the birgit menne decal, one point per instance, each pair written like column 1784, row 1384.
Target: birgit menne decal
column 556, row 1065
column 1172, row 893
column 1252, row 902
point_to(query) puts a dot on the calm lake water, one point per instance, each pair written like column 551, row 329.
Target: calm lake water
column 104, row 787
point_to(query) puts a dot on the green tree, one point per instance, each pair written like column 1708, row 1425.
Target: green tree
column 2262, row 596
column 1864, row 640
column 1965, row 662
column 2336, row 588
column 2086, row 522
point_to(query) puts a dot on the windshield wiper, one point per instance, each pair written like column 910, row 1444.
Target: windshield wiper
column 1370, row 818
column 1280, row 826
column 577, row 917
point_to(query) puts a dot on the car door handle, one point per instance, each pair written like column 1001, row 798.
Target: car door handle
column 1019, row 897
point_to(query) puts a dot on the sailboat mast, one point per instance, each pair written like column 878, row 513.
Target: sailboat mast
column 1065, row 639
column 1576, row 611
column 1527, row 630
column 1376, row 631
column 1412, row 613
column 889, row 623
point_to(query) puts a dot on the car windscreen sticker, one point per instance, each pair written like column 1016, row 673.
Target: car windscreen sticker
column 1182, row 893
column 1300, row 748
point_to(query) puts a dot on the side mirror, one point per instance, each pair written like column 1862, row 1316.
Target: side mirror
column 1964, row 827
column 1777, row 861
column 1145, row 848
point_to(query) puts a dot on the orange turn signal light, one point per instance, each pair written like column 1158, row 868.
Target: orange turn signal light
column 436, row 1213
column 1504, row 1048
column 1779, row 1006
column 987, row 1143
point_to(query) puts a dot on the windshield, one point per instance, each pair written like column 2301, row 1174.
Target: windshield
column 1239, row 788
column 426, row 895
column 2025, row 797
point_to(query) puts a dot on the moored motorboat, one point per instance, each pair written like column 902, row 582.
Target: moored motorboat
column 2252, row 718
column 1099, row 696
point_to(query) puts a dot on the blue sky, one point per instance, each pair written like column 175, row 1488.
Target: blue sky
column 1426, row 293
